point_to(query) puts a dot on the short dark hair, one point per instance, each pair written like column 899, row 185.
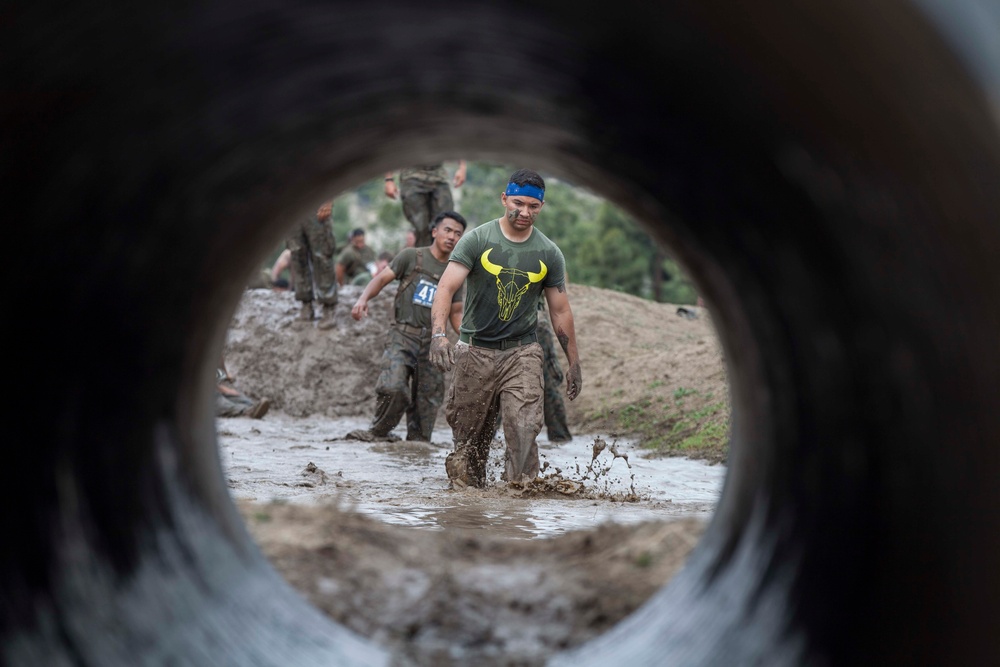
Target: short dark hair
column 386, row 255
column 527, row 177
column 449, row 214
column 357, row 231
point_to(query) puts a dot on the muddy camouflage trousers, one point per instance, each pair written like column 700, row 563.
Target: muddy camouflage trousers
column 484, row 382
column 422, row 201
column 556, row 426
column 407, row 383
column 313, row 261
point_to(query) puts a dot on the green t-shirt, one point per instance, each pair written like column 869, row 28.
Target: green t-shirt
column 356, row 261
column 505, row 280
column 415, row 296
column 428, row 173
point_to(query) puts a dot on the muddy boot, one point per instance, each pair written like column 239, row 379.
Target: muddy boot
column 306, row 314
column 456, row 465
column 462, row 471
column 326, row 321
column 259, row 409
column 367, row 435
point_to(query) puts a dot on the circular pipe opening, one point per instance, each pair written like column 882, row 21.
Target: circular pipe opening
column 828, row 175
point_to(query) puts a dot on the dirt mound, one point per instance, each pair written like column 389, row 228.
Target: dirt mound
column 466, row 597
column 644, row 366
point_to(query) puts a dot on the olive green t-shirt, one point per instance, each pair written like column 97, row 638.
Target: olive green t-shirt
column 355, row 261
column 428, row 173
column 505, row 280
column 414, row 299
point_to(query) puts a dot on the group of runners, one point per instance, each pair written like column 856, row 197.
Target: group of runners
column 488, row 284
column 500, row 286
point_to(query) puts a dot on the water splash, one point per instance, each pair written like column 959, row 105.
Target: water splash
column 596, row 481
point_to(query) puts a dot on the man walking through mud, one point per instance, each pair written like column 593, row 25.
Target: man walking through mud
column 408, row 382
column 312, row 249
column 507, row 264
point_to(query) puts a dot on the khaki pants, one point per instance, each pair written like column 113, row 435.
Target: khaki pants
column 484, row 382
column 422, row 201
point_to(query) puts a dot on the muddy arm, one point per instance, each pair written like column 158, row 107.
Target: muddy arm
column 562, row 324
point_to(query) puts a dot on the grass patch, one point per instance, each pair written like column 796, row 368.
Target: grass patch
column 686, row 423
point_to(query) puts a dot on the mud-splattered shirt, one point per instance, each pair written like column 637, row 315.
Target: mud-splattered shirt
column 505, row 280
column 414, row 298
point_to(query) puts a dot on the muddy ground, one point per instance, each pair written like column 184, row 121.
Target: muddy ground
column 371, row 534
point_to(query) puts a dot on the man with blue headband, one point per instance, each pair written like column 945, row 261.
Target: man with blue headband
column 506, row 265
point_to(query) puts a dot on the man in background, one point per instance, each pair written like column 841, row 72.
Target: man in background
column 356, row 263
column 311, row 249
column 408, row 382
column 425, row 193
column 231, row 402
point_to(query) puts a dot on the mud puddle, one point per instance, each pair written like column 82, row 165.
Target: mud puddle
column 588, row 481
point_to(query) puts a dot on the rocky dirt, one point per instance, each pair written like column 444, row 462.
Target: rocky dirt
column 492, row 577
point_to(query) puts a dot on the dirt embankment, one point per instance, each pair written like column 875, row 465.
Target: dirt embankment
column 648, row 372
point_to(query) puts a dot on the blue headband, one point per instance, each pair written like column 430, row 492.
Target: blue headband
column 525, row 190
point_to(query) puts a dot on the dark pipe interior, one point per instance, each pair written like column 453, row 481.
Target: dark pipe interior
column 829, row 174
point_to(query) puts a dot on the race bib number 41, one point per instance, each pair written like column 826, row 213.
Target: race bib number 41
column 424, row 294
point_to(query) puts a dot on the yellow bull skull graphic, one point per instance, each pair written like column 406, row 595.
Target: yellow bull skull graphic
column 509, row 289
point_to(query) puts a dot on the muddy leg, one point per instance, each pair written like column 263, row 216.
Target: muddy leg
column 392, row 390
column 471, row 413
column 428, row 394
column 521, row 404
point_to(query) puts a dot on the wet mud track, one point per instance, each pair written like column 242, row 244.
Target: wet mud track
column 372, row 535
column 307, row 461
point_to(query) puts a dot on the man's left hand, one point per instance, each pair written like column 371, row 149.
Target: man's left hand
column 574, row 381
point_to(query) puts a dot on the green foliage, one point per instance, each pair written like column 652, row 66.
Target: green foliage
column 340, row 218
column 390, row 216
column 603, row 246
column 371, row 193
column 615, row 256
column 481, row 192
column 677, row 288
column 681, row 392
column 644, row 559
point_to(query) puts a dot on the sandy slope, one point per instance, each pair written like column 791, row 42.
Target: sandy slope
column 630, row 349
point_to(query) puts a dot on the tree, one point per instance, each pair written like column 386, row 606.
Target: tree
column 603, row 246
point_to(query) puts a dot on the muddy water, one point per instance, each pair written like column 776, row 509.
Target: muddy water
column 307, row 460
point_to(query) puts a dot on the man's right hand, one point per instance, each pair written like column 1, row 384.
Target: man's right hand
column 441, row 353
